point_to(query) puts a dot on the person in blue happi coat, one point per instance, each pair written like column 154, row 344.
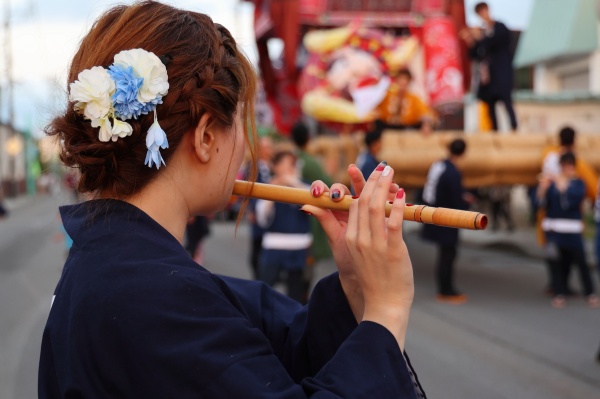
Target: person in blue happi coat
column 287, row 238
column 443, row 188
column 562, row 197
column 158, row 122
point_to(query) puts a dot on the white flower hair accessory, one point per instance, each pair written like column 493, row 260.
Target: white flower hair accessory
column 132, row 86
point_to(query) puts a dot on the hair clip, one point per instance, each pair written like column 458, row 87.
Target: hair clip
column 132, row 86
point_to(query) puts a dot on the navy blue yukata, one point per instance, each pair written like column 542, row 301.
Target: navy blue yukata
column 563, row 226
column 135, row 317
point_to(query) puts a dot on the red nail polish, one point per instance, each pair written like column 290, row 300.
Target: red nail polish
column 400, row 194
column 315, row 192
column 380, row 167
column 355, row 197
column 410, row 204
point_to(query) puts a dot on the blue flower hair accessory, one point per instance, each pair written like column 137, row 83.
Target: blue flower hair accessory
column 155, row 140
column 132, row 86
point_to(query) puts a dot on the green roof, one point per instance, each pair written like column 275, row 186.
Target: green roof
column 558, row 28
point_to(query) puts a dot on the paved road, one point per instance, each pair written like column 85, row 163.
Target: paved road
column 30, row 265
column 506, row 342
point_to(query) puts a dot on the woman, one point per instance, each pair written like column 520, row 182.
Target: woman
column 133, row 315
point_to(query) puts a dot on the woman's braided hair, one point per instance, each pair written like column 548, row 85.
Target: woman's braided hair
column 207, row 73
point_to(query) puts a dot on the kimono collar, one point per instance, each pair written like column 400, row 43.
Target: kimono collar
column 110, row 219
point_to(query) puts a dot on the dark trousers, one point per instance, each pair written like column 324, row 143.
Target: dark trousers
column 293, row 279
column 292, row 263
column 598, row 247
column 560, row 271
column 445, row 269
column 506, row 99
column 500, row 211
column 255, row 250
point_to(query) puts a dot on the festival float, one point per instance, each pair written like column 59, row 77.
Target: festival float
column 339, row 66
column 340, row 58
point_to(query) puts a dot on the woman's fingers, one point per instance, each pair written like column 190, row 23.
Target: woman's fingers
column 318, row 188
column 352, row 229
column 338, row 191
column 364, row 229
column 377, row 204
column 358, row 182
column 357, row 178
column 327, row 220
column 394, row 225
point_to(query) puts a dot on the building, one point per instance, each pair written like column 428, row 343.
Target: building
column 12, row 161
column 562, row 47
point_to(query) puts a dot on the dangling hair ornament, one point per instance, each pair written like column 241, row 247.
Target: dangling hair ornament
column 132, row 86
column 155, row 140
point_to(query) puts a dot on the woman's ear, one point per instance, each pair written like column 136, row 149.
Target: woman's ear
column 204, row 138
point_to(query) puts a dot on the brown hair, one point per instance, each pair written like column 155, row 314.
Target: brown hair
column 480, row 7
column 280, row 155
column 207, row 74
column 404, row 72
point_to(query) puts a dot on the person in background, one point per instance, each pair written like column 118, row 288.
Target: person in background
column 287, row 237
column 443, row 188
column 3, row 211
column 197, row 229
column 265, row 153
column 311, row 170
column 71, row 179
column 597, row 220
column 551, row 170
column 401, row 109
column 492, row 48
column 367, row 159
column 551, row 166
column 562, row 197
column 500, row 199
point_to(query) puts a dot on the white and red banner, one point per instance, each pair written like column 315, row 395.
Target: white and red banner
column 444, row 77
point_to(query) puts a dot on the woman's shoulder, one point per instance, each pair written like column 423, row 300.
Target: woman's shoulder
column 146, row 294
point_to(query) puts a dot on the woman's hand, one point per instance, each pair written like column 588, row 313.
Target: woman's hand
column 382, row 264
column 335, row 223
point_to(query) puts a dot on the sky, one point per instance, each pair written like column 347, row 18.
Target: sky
column 45, row 35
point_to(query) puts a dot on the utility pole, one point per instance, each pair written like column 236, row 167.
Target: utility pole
column 8, row 59
column 9, row 98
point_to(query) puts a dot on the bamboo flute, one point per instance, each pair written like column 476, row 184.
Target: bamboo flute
column 417, row 213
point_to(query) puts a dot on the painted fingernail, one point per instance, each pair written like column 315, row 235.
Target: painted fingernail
column 308, row 213
column 410, row 204
column 355, row 197
column 400, row 194
column 387, row 170
column 381, row 166
column 335, row 194
column 316, row 192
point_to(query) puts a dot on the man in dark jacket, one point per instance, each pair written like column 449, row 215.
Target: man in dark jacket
column 367, row 159
column 493, row 51
column 443, row 188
